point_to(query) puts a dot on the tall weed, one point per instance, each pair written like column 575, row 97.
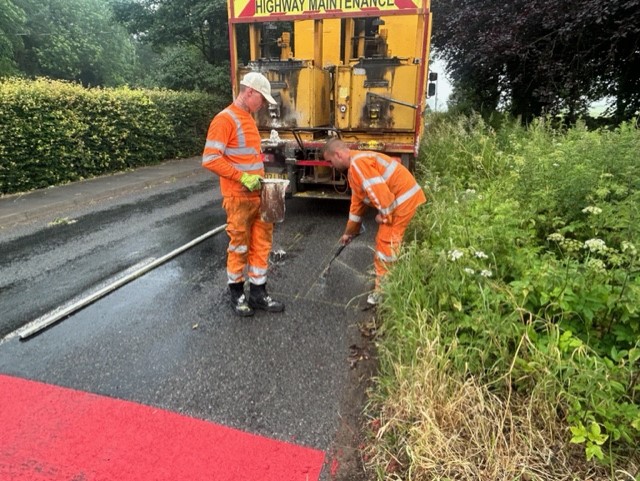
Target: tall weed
column 524, row 264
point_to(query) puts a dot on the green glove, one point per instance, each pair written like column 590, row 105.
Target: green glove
column 250, row 181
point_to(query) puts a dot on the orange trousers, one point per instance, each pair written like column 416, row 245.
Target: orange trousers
column 250, row 240
column 388, row 242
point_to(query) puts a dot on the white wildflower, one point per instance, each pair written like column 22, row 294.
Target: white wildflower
column 628, row 247
column 455, row 254
column 469, row 271
column 555, row 164
column 606, row 175
column 595, row 245
column 592, row 209
column 480, row 255
column 555, row 237
column 470, row 191
column 596, row 265
column 486, row 273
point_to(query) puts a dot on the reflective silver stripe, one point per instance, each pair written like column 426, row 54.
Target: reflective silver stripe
column 372, row 181
column 391, row 168
column 379, row 158
column 259, row 281
column 214, row 144
column 407, row 195
column 241, row 249
column 401, row 199
column 372, row 195
column 247, row 167
column 242, row 142
column 257, row 270
column 366, row 201
column 241, row 151
column 258, row 275
column 382, row 161
column 388, row 210
column 355, row 218
column 210, row 158
column 232, row 277
column 242, row 148
column 386, row 258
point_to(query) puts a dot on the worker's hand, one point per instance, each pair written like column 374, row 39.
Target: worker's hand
column 346, row 238
column 250, row 181
column 383, row 219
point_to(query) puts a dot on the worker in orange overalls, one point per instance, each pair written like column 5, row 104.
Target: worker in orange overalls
column 232, row 151
column 379, row 181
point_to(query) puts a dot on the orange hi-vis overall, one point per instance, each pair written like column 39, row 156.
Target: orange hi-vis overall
column 233, row 148
column 379, row 181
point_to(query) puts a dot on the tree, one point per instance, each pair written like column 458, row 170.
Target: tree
column 12, row 19
column 164, row 23
column 541, row 56
column 182, row 68
column 74, row 40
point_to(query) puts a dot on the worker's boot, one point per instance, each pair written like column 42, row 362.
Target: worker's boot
column 239, row 301
column 259, row 299
column 374, row 299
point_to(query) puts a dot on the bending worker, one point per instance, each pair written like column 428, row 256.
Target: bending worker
column 232, row 151
column 379, row 181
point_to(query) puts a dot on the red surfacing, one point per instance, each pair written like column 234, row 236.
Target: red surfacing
column 54, row 434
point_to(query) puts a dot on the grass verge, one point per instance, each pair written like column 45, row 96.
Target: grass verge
column 508, row 341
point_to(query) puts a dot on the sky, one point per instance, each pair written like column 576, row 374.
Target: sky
column 443, row 87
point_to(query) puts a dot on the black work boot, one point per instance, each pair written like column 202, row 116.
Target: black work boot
column 239, row 300
column 259, row 299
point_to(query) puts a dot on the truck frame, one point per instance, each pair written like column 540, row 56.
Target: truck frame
column 355, row 69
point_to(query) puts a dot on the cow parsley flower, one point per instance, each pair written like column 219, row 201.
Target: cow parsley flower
column 469, row 271
column 592, row 209
column 455, row 254
column 628, row 247
column 596, row 265
column 480, row 255
column 486, row 273
column 595, row 245
column 555, row 237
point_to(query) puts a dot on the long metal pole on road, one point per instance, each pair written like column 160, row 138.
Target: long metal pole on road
column 56, row 316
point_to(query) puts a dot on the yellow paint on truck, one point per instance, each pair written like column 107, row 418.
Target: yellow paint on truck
column 357, row 69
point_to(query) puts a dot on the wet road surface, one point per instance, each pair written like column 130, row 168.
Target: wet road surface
column 169, row 339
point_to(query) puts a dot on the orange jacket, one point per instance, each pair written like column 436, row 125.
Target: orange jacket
column 233, row 148
column 379, row 181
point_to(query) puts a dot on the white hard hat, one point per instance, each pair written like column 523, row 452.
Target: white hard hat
column 260, row 83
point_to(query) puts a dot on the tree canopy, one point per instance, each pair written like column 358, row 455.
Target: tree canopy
column 189, row 36
column 539, row 57
column 12, row 20
column 165, row 23
column 64, row 39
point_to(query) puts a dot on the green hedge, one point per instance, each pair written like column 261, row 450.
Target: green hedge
column 56, row 132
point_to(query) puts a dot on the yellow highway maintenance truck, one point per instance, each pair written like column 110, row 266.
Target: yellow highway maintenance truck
column 355, row 69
